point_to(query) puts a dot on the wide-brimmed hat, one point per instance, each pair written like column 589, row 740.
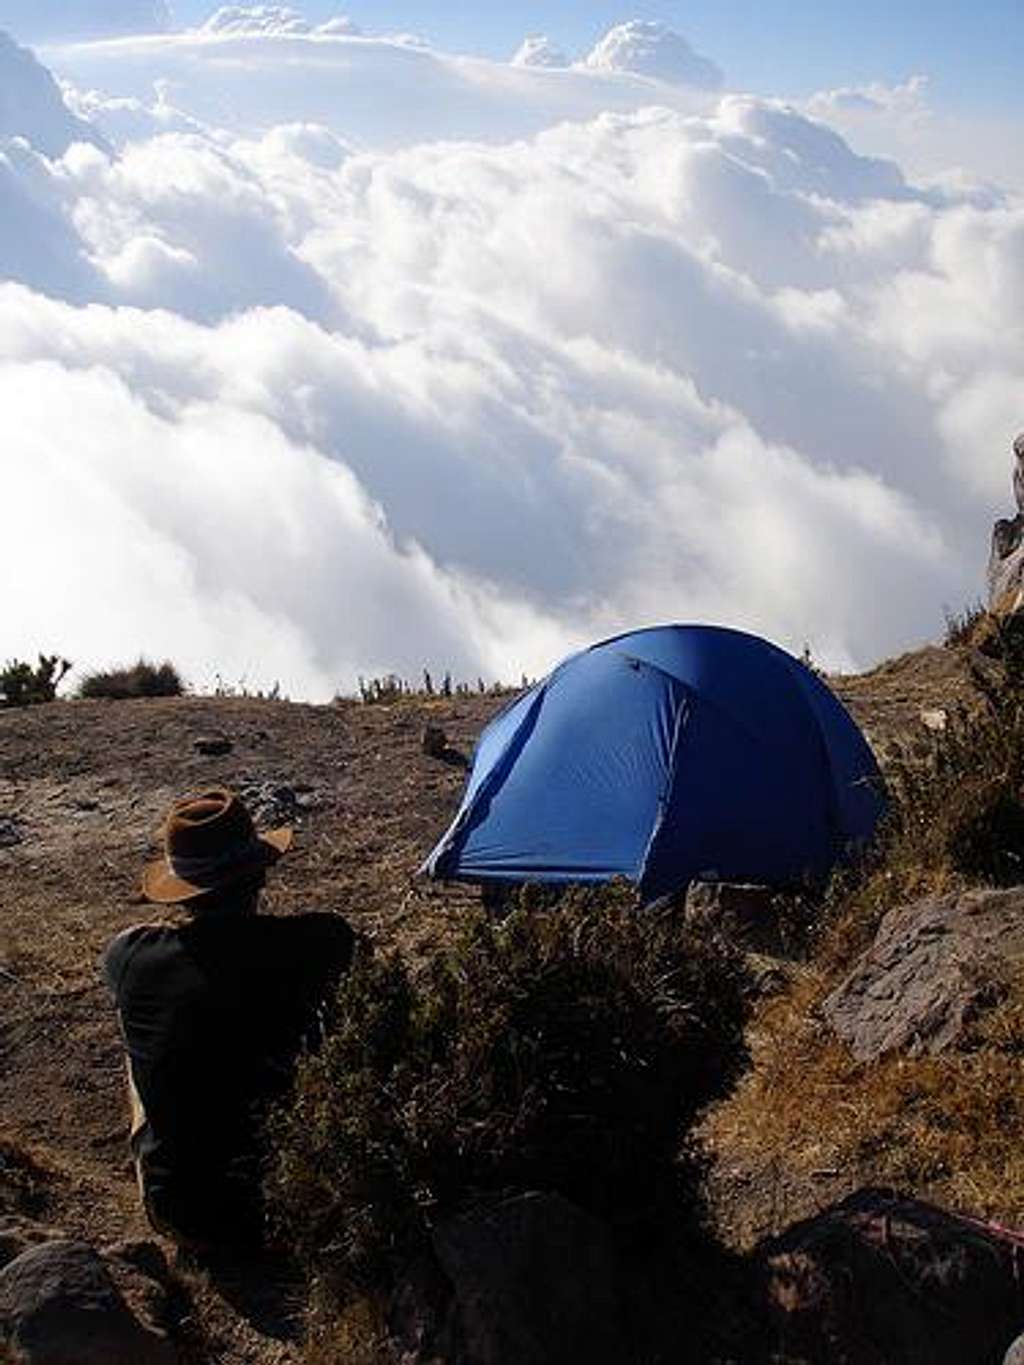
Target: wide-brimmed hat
column 210, row 841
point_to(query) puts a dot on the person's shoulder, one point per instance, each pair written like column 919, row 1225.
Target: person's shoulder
column 124, row 949
column 315, row 932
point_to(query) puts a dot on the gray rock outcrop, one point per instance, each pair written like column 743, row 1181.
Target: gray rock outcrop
column 933, row 966
column 1006, row 560
column 59, row 1305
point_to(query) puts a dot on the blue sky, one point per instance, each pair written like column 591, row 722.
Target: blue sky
column 970, row 51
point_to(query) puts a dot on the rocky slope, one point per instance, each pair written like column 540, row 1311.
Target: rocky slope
column 82, row 789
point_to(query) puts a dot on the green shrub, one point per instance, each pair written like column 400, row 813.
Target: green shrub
column 568, row 1051
column 21, row 684
column 142, row 679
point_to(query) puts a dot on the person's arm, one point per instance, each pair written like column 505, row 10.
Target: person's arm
column 334, row 943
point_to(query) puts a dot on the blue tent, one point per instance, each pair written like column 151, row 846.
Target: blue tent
column 664, row 756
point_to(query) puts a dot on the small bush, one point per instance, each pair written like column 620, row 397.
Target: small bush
column 21, row 684
column 142, row 679
column 962, row 626
column 568, row 1051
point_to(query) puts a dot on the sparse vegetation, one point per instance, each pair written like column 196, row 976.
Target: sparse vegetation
column 24, row 684
column 567, row 1051
column 945, row 1126
column 242, row 688
column 389, row 688
column 141, row 679
column 961, row 626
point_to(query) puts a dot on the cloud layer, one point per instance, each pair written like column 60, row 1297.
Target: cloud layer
column 68, row 20
column 290, row 410
column 272, row 21
column 653, row 49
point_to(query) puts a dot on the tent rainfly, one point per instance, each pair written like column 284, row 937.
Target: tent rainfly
column 664, row 756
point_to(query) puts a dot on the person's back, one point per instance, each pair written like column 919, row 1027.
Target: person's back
column 214, row 1013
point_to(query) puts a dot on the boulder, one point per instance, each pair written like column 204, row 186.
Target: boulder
column 934, row 965
column 530, row 1281
column 878, row 1279
column 60, row 1306
column 18, row 1234
column 1006, row 560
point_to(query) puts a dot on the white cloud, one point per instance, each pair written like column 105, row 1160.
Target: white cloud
column 63, row 20
column 265, row 19
column 382, row 92
column 538, row 50
column 274, row 21
column 652, row 49
column 908, row 97
column 286, row 408
column 31, row 104
column 340, row 26
column 962, row 150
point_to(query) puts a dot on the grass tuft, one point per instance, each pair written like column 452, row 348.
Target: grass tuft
column 141, row 679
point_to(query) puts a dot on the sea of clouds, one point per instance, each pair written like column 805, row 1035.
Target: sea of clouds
column 324, row 354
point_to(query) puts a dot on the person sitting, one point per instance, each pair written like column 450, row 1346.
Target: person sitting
column 214, row 1013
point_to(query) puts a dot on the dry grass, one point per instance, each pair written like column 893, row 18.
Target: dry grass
column 944, row 1127
column 355, row 1334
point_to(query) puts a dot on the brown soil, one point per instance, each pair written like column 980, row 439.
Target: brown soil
column 86, row 784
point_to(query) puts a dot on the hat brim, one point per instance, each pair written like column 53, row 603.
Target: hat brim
column 162, row 886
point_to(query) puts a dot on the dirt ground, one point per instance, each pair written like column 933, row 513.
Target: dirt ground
column 83, row 786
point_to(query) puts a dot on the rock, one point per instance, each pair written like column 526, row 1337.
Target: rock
column 749, row 915
column 530, row 1281
column 18, row 1234
column 10, row 832
column 935, row 720
column 934, row 965
column 212, row 746
column 274, row 803
column 142, row 1276
column 60, row 1306
column 435, row 741
column 878, row 1279
column 436, row 744
column 1015, row 1355
column 1006, row 560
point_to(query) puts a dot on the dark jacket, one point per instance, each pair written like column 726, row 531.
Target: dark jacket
column 214, row 1014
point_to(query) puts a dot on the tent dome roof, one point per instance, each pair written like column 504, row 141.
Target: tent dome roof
column 666, row 755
